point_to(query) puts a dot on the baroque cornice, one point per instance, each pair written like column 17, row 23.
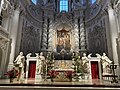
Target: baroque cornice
column 48, row 6
column 63, row 18
column 32, row 16
column 95, row 15
column 78, row 7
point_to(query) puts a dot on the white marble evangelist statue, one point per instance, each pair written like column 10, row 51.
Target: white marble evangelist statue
column 86, row 64
column 105, row 63
column 19, row 61
column 85, row 61
column 40, row 64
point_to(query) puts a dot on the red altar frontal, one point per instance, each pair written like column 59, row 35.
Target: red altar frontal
column 61, row 74
column 64, row 74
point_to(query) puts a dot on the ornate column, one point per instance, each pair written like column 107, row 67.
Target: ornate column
column 82, row 36
column 13, row 35
column 44, row 41
column 20, row 26
column 113, row 32
column 108, row 37
column 117, row 16
column 69, row 6
column 50, row 38
column 76, row 35
column 118, row 47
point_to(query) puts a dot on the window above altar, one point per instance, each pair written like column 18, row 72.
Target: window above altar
column 93, row 1
column 34, row 1
column 63, row 5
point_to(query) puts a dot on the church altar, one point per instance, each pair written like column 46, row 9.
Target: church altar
column 62, row 70
column 61, row 74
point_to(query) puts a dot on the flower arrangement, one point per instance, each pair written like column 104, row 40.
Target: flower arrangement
column 69, row 74
column 12, row 74
column 53, row 73
column 50, row 61
column 78, row 64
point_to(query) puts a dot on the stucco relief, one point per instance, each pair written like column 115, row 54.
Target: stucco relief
column 63, row 17
column 35, row 13
column 97, row 40
column 30, row 39
column 92, row 12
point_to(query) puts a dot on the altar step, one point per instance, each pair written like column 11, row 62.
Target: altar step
column 45, row 85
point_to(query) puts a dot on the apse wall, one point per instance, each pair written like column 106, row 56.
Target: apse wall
column 97, row 29
column 31, row 29
column 36, row 24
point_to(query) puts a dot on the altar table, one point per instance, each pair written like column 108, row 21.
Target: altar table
column 61, row 74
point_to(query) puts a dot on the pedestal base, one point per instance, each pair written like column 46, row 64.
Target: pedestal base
column 38, row 77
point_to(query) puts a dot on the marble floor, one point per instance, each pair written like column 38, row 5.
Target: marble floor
column 32, row 84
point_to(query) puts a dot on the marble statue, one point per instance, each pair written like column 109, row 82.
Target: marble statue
column 6, row 5
column 85, row 59
column 105, row 63
column 89, row 55
column 40, row 64
column 86, row 65
column 20, row 60
column 85, row 62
